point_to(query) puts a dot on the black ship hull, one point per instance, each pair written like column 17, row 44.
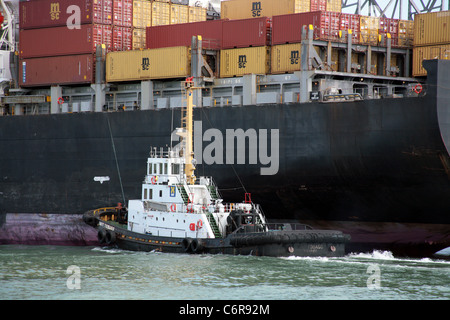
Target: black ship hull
column 363, row 165
column 300, row 243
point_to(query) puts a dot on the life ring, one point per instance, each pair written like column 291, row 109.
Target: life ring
column 418, row 88
column 60, row 100
column 199, row 224
column 173, row 207
column 154, row 180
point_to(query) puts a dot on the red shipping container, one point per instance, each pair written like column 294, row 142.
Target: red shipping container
column 350, row 21
column 244, row 33
column 123, row 13
column 318, row 5
column 122, row 39
column 60, row 41
column 77, row 69
column 50, row 13
column 288, row 28
column 176, row 35
column 103, row 10
column 391, row 26
column 327, row 26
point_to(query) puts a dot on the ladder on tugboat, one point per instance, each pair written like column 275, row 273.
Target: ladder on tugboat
column 183, row 193
column 213, row 224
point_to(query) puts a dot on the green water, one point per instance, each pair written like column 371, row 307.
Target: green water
column 41, row 272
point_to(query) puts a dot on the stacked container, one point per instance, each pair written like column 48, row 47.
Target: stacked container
column 389, row 28
column 405, row 33
column 148, row 13
column 136, row 65
column 431, row 39
column 197, row 14
column 181, row 34
column 142, row 18
column 369, row 30
column 55, row 48
column 247, row 9
column 160, row 13
column 349, row 22
column 246, row 47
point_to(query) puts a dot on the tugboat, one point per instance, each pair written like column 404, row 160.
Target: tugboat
column 181, row 213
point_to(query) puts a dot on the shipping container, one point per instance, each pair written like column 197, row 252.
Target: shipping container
column 142, row 13
column 179, row 14
column 60, row 41
column 247, row 33
column 246, row 9
column 64, row 70
column 288, row 28
column 139, row 39
column 181, row 34
column 136, row 65
column 391, row 27
column 160, row 13
column 428, row 52
column 432, row 28
column 122, row 38
column 238, row 62
column 286, row 58
column 406, row 33
column 51, row 13
column 334, row 5
column 369, row 30
column 318, row 5
column 123, row 13
column 103, row 35
column 197, row 14
column 347, row 22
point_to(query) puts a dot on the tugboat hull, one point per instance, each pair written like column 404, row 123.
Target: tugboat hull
column 311, row 243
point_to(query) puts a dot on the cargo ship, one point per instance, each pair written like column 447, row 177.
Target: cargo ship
column 333, row 122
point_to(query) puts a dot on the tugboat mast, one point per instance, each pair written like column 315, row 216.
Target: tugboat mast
column 187, row 129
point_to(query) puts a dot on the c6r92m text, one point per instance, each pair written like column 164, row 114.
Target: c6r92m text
column 246, row 309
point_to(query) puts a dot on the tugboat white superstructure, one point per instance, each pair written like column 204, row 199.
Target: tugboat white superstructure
column 179, row 212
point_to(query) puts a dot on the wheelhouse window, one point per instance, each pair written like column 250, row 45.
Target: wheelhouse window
column 175, row 168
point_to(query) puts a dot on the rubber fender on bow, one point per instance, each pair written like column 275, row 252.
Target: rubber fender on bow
column 186, row 245
column 196, row 246
column 110, row 237
column 101, row 235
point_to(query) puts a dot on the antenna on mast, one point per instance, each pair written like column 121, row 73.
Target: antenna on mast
column 186, row 131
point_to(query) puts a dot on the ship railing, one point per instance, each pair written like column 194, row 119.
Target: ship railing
column 342, row 97
column 209, row 180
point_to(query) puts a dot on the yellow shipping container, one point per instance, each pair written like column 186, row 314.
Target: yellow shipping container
column 286, row 58
column 142, row 13
column 405, row 33
column 369, row 30
column 197, row 14
column 245, row 9
column 178, row 14
column 334, row 5
column 163, row 63
column 237, row 62
column 139, row 39
column 160, row 13
column 432, row 28
column 426, row 53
